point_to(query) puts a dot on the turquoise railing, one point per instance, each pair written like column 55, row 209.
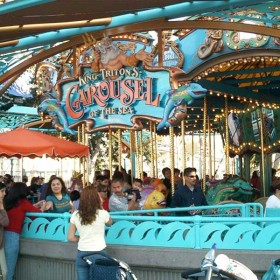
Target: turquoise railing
column 248, row 232
column 231, row 209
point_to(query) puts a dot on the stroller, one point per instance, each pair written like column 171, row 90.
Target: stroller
column 105, row 267
column 274, row 272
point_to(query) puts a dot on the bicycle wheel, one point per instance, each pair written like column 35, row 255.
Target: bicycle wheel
column 198, row 274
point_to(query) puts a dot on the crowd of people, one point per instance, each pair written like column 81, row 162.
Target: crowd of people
column 90, row 206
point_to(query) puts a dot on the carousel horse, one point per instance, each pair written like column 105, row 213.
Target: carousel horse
column 233, row 188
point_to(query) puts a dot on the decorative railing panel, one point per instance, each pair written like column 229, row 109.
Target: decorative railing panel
column 248, row 233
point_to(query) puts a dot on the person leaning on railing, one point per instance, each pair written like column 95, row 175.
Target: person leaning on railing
column 57, row 197
column 16, row 205
column 90, row 221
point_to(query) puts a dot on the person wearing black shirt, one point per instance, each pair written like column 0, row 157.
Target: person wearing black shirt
column 188, row 195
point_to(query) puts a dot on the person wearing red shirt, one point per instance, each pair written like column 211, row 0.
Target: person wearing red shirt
column 4, row 221
column 103, row 194
column 16, row 205
column 256, row 183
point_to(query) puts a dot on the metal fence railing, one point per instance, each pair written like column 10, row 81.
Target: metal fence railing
column 245, row 229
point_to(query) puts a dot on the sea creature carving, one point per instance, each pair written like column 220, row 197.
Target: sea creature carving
column 233, row 188
column 155, row 200
column 53, row 108
column 178, row 101
column 213, row 43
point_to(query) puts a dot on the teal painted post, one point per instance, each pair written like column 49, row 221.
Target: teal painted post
column 197, row 222
column 66, row 225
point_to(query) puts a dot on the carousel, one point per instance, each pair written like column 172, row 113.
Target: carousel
column 205, row 75
column 137, row 73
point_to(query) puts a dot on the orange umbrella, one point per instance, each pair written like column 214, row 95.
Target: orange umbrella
column 22, row 142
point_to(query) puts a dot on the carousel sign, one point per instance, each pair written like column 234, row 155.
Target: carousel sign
column 127, row 91
column 109, row 98
column 116, row 89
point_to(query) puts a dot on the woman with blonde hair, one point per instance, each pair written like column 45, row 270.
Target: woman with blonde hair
column 90, row 221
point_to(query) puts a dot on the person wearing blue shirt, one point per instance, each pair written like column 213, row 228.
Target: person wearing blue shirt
column 57, row 198
column 188, row 195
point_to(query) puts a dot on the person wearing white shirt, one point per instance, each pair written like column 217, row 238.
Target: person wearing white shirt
column 90, row 221
column 274, row 200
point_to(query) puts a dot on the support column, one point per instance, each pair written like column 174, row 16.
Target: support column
column 246, row 171
column 265, row 190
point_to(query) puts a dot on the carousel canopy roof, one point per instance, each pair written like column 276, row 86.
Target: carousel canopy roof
column 41, row 28
column 29, row 23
